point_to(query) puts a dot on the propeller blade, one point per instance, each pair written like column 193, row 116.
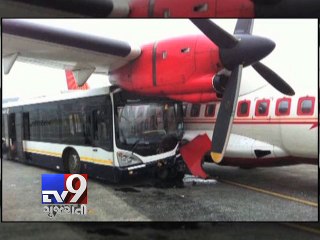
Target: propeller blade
column 244, row 26
column 225, row 117
column 274, row 79
column 237, row 52
column 216, row 34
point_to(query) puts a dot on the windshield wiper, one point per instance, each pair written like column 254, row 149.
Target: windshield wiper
column 135, row 145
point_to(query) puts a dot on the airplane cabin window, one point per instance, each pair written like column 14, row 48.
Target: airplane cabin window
column 262, row 108
column 283, row 107
column 195, row 110
column 243, row 108
column 306, row 106
column 184, row 108
column 210, row 110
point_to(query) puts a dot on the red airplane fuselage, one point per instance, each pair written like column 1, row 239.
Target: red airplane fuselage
column 181, row 68
column 191, row 8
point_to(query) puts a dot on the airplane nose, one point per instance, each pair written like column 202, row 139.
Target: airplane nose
column 249, row 50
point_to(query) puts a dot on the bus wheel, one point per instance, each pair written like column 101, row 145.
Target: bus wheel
column 74, row 162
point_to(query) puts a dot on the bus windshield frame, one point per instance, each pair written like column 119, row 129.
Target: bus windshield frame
column 141, row 125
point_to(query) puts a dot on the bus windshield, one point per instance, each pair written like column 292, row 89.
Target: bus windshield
column 148, row 123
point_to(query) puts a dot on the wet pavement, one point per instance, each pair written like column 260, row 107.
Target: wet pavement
column 163, row 231
column 270, row 194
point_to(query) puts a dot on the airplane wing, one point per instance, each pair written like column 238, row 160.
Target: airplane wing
column 84, row 54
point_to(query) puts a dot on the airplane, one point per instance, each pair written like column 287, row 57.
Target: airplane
column 162, row 8
column 196, row 69
column 268, row 130
column 263, row 133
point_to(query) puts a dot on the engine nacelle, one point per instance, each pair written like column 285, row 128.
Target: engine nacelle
column 191, row 8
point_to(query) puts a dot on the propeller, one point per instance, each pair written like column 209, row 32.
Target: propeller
column 287, row 8
column 237, row 51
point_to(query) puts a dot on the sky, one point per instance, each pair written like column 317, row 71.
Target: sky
column 294, row 58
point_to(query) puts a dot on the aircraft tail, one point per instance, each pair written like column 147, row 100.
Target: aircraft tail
column 71, row 82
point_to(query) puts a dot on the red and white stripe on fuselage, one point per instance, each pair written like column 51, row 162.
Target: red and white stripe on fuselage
column 265, row 137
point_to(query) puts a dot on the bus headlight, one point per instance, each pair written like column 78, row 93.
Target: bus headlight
column 127, row 159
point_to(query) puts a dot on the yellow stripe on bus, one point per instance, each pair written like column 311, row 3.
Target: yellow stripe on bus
column 95, row 160
column 86, row 159
column 43, row 152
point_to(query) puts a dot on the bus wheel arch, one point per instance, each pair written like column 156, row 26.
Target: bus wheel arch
column 71, row 160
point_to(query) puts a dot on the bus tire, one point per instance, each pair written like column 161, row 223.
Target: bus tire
column 74, row 164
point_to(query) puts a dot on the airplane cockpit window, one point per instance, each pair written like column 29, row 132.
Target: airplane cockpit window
column 195, row 110
column 306, row 106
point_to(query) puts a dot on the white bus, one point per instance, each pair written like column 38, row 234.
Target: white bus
column 107, row 132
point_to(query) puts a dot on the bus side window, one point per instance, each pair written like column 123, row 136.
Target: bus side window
column 101, row 128
column 71, row 125
column 87, row 128
column 34, row 125
column 26, row 126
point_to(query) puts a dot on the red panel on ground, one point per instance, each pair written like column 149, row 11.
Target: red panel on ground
column 193, row 152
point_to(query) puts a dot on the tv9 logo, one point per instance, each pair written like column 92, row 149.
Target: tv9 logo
column 64, row 189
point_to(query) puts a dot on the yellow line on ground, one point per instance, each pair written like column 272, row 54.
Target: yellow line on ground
column 303, row 228
column 306, row 202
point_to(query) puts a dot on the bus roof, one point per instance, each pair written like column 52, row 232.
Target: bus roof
column 71, row 94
